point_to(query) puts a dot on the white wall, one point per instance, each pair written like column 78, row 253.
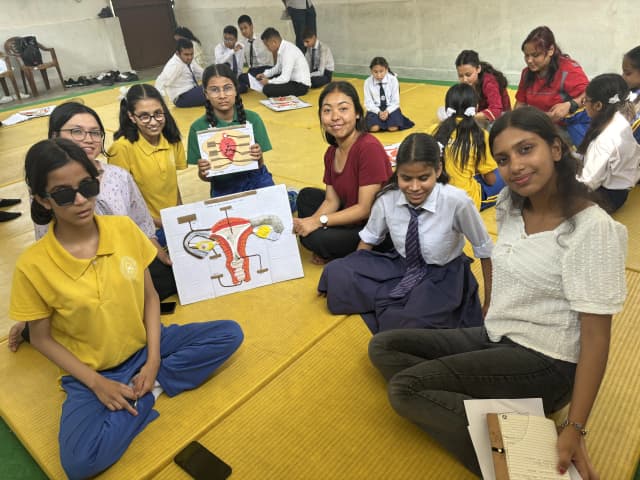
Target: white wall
column 421, row 39
column 84, row 43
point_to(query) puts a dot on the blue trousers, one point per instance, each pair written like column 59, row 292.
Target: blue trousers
column 92, row 437
column 191, row 98
column 240, row 182
column 490, row 192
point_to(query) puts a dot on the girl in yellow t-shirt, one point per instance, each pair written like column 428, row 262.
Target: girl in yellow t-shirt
column 148, row 145
column 467, row 157
column 87, row 294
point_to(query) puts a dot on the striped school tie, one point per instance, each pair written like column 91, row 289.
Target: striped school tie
column 251, row 54
column 383, row 98
column 416, row 266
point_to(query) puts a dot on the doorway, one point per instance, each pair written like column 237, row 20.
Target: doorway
column 147, row 28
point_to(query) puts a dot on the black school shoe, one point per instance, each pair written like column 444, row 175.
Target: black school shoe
column 9, row 202
column 6, row 216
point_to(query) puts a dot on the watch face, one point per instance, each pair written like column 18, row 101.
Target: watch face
column 324, row 219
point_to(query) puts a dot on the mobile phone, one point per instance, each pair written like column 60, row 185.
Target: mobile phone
column 201, row 464
column 167, row 308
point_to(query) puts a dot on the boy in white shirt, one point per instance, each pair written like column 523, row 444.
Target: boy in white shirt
column 230, row 51
column 180, row 76
column 319, row 58
column 290, row 75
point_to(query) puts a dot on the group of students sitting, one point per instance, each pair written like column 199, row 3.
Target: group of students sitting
column 391, row 242
column 279, row 65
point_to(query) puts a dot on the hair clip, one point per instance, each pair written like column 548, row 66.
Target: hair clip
column 614, row 99
column 470, row 112
column 123, row 93
column 441, row 149
column 450, row 112
column 632, row 97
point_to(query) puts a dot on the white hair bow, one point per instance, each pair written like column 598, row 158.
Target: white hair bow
column 450, row 112
column 632, row 96
column 123, row 93
column 470, row 112
column 614, row 99
column 441, row 149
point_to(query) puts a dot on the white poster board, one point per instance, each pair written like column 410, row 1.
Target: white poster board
column 230, row 244
column 227, row 149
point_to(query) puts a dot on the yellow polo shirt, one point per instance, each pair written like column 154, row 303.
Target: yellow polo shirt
column 153, row 167
column 95, row 305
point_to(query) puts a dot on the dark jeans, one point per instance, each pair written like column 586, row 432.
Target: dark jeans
column 302, row 18
column 243, row 78
column 321, row 80
column 614, row 199
column 284, row 89
column 191, row 98
column 432, row 372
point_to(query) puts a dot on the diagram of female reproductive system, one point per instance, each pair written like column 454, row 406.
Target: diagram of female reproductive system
column 228, row 237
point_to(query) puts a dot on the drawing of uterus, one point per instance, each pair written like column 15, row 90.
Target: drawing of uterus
column 231, row 235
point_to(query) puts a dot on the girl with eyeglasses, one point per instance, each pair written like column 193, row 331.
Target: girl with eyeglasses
column 87, row 294
column 148, row 145
column 224, row 108
column 119, row 195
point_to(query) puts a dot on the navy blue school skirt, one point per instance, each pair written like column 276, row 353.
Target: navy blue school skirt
column 447, row 297
column 395, row 119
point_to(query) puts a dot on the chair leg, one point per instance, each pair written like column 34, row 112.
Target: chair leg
column 60, row 75
column 32, row 82
column 24, row 81
column 45, row 78
column 3, row 81
column 15, row 86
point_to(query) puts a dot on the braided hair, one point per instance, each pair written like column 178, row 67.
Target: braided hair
column 222, row 70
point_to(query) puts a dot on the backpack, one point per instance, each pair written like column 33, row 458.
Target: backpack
column 29, row 51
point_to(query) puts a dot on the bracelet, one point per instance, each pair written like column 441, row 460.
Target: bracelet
column 573, row 106
column 578, row 426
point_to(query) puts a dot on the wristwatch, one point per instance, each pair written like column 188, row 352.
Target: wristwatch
column 324, row 220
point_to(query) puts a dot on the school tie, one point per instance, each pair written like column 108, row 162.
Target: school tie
column 234, row 65
column 251, row 53
column 193, row 75
column 416, row 266
column 383, row 99
column 313, row 59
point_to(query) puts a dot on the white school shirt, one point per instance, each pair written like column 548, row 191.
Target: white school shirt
column 612, row 160
column 324, row 59
column 261, row 56
column 290, row 66
column 119, row 195
column 175, row 78
column 372, row 93
column 223, row 54
column 541, row 281
column 449, row 216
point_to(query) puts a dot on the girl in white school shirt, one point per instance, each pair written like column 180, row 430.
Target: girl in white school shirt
column 382, row 99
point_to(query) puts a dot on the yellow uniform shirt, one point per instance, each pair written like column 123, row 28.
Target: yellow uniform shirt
column 95, row 305
column 153, row 167
column 463, row 178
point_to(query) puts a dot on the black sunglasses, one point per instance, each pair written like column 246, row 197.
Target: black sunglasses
column 66, row 196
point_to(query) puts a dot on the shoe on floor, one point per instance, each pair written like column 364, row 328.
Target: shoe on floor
column 6, row 99
column 9, row 202
column 6, row 216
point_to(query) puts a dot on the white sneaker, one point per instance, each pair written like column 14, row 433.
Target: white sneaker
column 7, row 99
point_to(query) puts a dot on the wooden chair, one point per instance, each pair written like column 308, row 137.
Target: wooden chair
column 8, row 74
column 11, row 47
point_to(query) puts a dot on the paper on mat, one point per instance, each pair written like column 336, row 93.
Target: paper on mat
column 24, row 115
column 281, row 104
column 230, row 244
column 255, row 84
column 477, row 410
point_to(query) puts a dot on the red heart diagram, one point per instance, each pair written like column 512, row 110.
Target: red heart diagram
column 228, row 146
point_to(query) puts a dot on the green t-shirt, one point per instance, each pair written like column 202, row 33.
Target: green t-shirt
column 259, row 133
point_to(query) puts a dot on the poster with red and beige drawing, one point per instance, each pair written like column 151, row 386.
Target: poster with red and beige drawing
column 227, row 149
column 230, row 244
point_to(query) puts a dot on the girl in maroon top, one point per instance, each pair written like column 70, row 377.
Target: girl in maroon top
column 490, row 85
column 356, row 167
column 552, row 81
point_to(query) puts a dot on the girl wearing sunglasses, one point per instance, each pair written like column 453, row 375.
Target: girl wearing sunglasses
column 87, row 294
column 148, row 145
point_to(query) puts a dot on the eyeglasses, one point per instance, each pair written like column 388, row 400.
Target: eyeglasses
column 67, row 195
column 78, row 134
column 216, row 92
column 146, row 117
